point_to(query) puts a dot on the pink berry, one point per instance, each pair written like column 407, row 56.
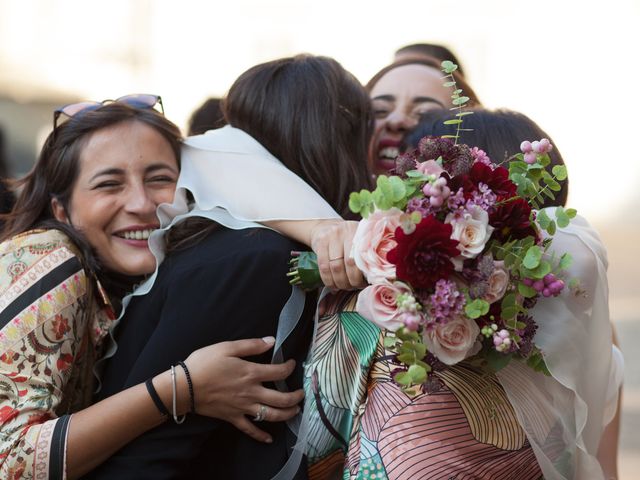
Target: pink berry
column 546, row 292
column 436, row 201
column 527, row 281
column 525, row 147
column 549, row 278
column 530, row 158
column 427, row 189
column 497, row 341
column 535, row 146
column 557, row 286
column 446, row 191
column 545, row 145
column 538, row 285
column 441, row 182
column 503, row 334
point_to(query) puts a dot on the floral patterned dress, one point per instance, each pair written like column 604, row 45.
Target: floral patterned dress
column 363, row 426
column 49, row 334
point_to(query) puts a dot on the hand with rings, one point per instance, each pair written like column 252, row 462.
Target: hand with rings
column 240, row 396
column 331, row 241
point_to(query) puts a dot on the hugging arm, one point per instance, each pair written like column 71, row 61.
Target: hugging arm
column 237, row 296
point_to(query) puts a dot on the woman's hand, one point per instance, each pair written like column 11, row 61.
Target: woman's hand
column 331, row 240
column 229, row 388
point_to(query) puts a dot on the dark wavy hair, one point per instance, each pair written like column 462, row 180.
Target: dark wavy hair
column 474, row 101
column 312, row 115
column 55, row 173
column 497, row 132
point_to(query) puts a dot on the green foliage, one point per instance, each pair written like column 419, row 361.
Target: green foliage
column 536, row 361
column 525, row 291
column 476, row 308
column 532, row 258
column 457, row 99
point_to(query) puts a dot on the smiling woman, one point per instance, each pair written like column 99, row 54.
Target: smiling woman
column 95, row 188
column 401, row 93
column 119, row 186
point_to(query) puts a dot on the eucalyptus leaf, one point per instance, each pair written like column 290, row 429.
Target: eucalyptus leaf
column 453, row 121
column 418, row 374
column 560, row 171
column 496, row 360
column 460, row 101
column 532, row 258
column 526, row 291
column 565, row 261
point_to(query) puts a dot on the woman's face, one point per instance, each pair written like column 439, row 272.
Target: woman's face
column 125, row 171
column 399, row 98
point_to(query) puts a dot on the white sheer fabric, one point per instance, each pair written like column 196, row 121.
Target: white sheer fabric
column 564, row 415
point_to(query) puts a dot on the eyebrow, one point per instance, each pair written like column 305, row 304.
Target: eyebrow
column 417, row 100
column 119, row 171
column 414, row 101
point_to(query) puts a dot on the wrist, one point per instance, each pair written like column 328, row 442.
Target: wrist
column 164, row 387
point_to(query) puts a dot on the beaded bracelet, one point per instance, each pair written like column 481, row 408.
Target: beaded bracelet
column 176, row 418
column 190, row 384
column 156, row 398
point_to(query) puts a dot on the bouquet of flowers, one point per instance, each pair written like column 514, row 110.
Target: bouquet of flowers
column 453, row 251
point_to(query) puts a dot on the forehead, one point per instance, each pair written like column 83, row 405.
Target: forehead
column 126, row 145
column 411, row 81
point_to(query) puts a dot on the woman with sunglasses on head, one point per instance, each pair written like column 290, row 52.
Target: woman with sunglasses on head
column 74, row 243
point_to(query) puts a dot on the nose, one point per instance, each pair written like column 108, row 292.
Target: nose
column 398, row 121
column 139, row 201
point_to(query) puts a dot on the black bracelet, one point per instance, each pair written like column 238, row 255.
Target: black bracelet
column 190, row 383
column 156, row 398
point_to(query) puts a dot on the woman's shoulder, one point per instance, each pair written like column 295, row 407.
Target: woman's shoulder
column 38, row 251
column 38, row 242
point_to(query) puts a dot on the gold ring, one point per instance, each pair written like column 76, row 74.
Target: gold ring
column 337, row 258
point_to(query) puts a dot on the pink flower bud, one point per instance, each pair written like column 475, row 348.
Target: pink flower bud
column 525, row 147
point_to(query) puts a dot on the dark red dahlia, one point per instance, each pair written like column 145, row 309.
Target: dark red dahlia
column 511, row 220
column 424, row 256
column 497, row 179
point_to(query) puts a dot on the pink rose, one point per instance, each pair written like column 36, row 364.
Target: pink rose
column 371, row 243
column 453, row 341
column 377, row 303
column 430, row 167
column 498, row 282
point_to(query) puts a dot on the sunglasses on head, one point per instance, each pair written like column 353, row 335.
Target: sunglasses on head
column 136, row 100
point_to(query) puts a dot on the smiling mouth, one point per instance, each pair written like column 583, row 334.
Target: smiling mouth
column 135, row 234
column 388, row 153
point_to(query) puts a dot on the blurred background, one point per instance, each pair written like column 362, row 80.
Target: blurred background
column 572, row 67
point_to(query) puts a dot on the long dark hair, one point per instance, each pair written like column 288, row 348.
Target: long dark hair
column 461, row 82
column 55, row 173
column 312, row 115
column 497, row 132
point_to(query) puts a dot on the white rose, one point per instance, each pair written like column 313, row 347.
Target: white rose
column 472, row 230
column 453, row 341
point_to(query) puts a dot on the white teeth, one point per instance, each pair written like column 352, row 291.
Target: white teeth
column 137, row 234
column 389, row 152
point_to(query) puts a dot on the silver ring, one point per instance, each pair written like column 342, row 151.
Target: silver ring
column 261, row 415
